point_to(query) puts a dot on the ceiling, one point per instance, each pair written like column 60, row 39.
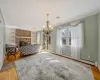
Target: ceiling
column 30, row 14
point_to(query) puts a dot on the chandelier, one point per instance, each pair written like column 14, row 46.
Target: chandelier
column 48, row 28
column 46, row 34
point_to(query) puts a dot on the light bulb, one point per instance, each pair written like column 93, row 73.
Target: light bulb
column 43, row 26
column 50, row 27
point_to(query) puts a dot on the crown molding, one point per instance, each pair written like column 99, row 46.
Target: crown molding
column 16, row 27
column 80, row 17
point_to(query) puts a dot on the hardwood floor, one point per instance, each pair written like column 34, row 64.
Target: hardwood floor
column 96, row 73
column 11, row 74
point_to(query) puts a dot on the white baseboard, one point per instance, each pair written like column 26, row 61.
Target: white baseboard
column 88, row 62
column 91, row 63
column 99, row 67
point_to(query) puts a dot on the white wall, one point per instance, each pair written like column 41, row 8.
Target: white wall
column 32, row 13
column 33, row 39
column 58, row 41
column 39, row 37
column 54, row 39
column 2, row 40
column 10, row 35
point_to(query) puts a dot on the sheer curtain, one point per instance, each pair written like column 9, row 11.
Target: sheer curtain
column 58, row 42
column 76, row 40
column 38, row 38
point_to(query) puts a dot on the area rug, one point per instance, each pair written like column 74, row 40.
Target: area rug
column 47, row 66
column 7, row 66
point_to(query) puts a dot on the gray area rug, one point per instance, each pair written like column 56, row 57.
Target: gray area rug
column 47, row 66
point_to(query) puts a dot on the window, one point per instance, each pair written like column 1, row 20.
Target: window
column 66, row 36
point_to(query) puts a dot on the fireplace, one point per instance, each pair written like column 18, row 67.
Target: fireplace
column 23, row 43
column 23, row 37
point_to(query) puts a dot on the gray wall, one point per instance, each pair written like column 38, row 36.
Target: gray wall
column 90, row 47
column 90, row 50
column 99, row 40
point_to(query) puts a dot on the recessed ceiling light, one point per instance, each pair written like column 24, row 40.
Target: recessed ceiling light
column 57, row 17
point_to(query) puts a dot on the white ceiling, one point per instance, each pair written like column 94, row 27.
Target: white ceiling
column 30, row 14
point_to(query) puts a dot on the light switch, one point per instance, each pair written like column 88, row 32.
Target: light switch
column 88, row 56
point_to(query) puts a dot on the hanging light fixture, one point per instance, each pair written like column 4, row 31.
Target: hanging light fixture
column 46, row 34
column 48, row 28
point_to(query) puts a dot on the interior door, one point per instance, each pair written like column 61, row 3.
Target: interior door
column 1, row 40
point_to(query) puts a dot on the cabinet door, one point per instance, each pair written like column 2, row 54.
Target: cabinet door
column 1, row 39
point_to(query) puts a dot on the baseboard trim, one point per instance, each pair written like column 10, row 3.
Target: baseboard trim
column 88, row 62
column 82, row 61
column 99, row 67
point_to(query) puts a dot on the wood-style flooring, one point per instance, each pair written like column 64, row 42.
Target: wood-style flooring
column 96, row 73
column 11, row 74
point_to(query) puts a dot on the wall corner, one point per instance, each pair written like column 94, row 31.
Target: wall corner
column 99, row 67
